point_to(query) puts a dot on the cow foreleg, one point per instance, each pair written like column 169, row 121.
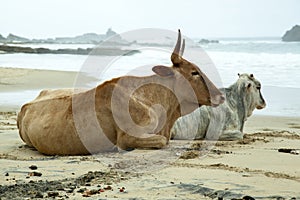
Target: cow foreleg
column 231, row 135
column 126, row 141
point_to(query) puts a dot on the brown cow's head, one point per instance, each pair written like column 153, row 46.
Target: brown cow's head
column 205, row 91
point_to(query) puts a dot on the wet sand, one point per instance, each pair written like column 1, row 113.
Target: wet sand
column 22, row 80
column 19, row 79
column 183, row 170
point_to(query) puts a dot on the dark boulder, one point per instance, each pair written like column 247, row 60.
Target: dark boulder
column 292, row 35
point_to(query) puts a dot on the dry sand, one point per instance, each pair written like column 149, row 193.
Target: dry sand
column 252, row 166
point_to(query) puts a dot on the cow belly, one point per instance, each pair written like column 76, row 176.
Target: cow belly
column 48, row 126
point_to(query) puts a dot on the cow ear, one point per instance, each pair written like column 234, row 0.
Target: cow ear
column 163, row 71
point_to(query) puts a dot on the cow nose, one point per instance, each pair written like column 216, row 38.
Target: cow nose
column 259, row 107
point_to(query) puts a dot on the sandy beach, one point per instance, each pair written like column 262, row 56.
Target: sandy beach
column 14, row 80
column 253, row 167
column 18, row 79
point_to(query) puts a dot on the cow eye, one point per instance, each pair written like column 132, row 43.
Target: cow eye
column 195, row 73
column 258, row 87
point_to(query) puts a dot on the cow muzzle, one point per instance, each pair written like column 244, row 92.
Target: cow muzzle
column 259, row 107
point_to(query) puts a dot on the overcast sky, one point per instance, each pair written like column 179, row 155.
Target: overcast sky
column 196, row 18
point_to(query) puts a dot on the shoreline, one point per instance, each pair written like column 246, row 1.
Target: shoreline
column 20, row 85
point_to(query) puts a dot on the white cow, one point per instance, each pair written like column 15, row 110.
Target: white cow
column 225, row 122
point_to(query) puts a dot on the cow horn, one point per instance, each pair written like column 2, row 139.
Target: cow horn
column 178, row 44
column 175, row 55
column 182, row 47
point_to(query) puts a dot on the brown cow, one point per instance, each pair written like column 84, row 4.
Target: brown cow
column 127, row 112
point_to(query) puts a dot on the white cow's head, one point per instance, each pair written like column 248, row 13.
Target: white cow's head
column 253, row 96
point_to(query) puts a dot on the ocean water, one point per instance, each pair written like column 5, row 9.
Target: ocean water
column 276, row 64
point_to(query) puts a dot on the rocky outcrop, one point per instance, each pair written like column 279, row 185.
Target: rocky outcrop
column 2, row 39
column 292, row 35
column 110, row 33
column 16, row 39
column 116, row 37
column 206, row 41
column 87, row 38
column 79, row 51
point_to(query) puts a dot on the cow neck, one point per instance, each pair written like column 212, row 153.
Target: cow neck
column 236, row 100
column 170, row 101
